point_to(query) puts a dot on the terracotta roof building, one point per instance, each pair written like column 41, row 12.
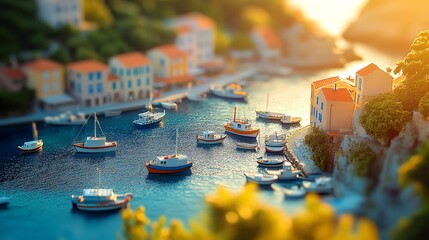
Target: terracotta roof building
column 11, row 79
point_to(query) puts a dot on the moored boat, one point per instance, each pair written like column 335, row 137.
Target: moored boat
column 169, row 164
column 32, row 146
column 210, row 137
column 286, row 173
column 241, row 127
column 149, row 118
column 170, row 105
column 261, row 178
column 247, row 146
column 196, row 97
column 95, row 144
column 321, row 185
column 233, row 91
column 66, row 118
column 295, row 192
column 98, row 199
column 290, row 120
column 268, row 114
column 270, row 163
column 275, row 143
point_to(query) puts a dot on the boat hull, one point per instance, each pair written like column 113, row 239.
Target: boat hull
column 223, row 94
column 203, row 141
column 276, row 149
column 147, row 124
column 260, row 182
column 82, row 149
column 32, row 150
column 245, row 146
column 270, row 165
column 249, row 133
column 167, row 170
column 269, row 115
column 294, row 120
column 101, row 207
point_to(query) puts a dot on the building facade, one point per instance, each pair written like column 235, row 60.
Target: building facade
column 333, row 110
column 267, row 43
column 45, row 76
column 169, row 65
column 58, row 13
column 371, row 82
column 135, row 73
column 88, row 82
column 11, row 79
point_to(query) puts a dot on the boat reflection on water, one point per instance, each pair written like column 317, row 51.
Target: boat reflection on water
column 169, row 178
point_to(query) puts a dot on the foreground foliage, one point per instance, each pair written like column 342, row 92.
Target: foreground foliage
column 318, row 142
column 362, row 157
column 243, row 216
column 424, row 105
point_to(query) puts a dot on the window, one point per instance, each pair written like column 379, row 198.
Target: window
column 360, row 83
column 99, row 75
column 136, row 71
column 147, row 81
column 99, row 87
column 162, row 61
column 239, row 125
column 321, row 106
column 114, row 70
column 46, row 75
column 139, row 82
column 114, row 85
column 358, row 98
column 91, row 76
column 314, row 124
column 355, row 98
column 121, row 72
column 130, row 84
column 128, row 72
column 91, row 89
column 320, row 117
column 72, row 85
column 317, row 100
column 147, row 69
column 317, row 112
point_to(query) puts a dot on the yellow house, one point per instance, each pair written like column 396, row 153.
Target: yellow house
column 334, row 109
column 371, row 82
column 332, row 82
column 45, row 76
column 170, row 65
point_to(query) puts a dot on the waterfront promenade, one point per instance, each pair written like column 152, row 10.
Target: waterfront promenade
column 174, row 94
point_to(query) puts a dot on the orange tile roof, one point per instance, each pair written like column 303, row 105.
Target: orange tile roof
column 12, row 73
column 321, row 83
column 171, row 51
column 174, row 80
column 132, row 59
column 367, row 70
column 182, row 29
column 269, row 36
column 202, row 21
column 87, row 66
column 112, row 77
column 339, row 95
column 43, row 64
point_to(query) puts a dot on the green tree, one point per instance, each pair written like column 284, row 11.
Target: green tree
column 61, row 55
column 383, row 117
column 362, row 157
column 424, row 105
column 318, row 142
column 97, row 11
column 415, row 68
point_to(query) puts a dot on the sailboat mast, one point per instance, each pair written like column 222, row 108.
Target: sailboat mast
column 177, row 137
column 235, row 113
column 95, row 125
column 98, row 173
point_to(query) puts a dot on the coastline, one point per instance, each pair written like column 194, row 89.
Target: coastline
column 174, row 94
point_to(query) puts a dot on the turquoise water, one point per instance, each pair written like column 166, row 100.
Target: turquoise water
column 41, row 184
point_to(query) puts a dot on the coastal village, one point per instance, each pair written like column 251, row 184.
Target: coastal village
column 355, row 152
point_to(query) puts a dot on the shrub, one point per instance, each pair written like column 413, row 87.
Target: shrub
column 424, row 106
column 362, row 157
column 243, row 216
column 318, row 142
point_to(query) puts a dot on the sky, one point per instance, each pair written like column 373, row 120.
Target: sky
column 332, row 15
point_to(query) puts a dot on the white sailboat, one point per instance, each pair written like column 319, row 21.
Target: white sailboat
column 32, row 146
column 267, row 114
column 95, row 144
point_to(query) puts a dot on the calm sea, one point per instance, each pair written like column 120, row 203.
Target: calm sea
column 41, row 184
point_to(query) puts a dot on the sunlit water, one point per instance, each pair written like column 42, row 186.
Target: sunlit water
column 41, row 184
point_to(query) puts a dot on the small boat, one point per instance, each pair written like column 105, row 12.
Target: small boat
column 66, row 118
column 321, row 185
column 32, row 146
column 170, row 105
column 196, row 97
column 261, row 178
column 286, row 173
column 149, row 118
column 247, row 146
column 4, row 201
column 233, row 91
column 295, row 192
column 99, row 199
column 210, row 137
column 270, row 163
column 112, row 113
column 267, row 114
column 275, row 143
column 169, row 164
column 290, row 120
column 95, row 144
column 241, row 127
